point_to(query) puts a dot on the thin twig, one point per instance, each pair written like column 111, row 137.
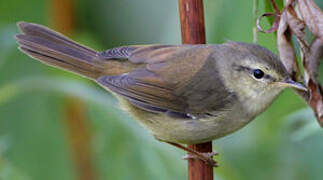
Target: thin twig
column 276, row 8
column 255, row 13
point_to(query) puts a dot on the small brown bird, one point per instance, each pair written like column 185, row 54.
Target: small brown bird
column 182, row 93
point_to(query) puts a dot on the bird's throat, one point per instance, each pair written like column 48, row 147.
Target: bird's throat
column 257, row 103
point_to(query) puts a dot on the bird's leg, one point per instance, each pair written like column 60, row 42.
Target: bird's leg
column 206, row 157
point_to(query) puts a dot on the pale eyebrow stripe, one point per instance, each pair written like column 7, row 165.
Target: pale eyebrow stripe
column 250, row 70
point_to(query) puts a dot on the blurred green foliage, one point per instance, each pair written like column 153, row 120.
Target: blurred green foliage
column 285, row 142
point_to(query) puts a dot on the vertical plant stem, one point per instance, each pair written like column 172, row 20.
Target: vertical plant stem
column 255, row 13
column 75, row 116
column 61, row 16
column 197, row 169
column 79, row 138
column 192, row 21
column 193, row 32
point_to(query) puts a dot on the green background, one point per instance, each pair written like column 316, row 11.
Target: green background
column 285, row 142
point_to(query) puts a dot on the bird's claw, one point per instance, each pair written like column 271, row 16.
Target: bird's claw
column 206, row 157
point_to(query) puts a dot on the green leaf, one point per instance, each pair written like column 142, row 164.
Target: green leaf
column 7, row 171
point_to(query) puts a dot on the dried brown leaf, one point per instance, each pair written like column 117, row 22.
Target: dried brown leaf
column 316, row 54
column 314, row 96
column 296, row 24
column 286, row 51
column 313, row 16
column 312, row 64
column 316, row 100
column 288, row 23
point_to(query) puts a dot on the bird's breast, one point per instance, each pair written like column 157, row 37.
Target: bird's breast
column 190, row 131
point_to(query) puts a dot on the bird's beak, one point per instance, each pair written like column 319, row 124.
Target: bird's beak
column 292, row 84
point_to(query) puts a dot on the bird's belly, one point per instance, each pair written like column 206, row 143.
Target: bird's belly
column 188, row 131
column 193, row 131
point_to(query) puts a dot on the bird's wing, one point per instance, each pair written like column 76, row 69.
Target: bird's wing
column 174, row 79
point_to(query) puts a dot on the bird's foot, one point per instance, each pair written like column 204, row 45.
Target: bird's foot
column 206, row 157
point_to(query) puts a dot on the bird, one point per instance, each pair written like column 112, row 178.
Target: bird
column 182, row 94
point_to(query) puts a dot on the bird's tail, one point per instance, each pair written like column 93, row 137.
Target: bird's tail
column 57, row 50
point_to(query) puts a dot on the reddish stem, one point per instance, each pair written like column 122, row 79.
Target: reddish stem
column 192, row 21
column 197, row 169
column 193, row 32
column 273, row 3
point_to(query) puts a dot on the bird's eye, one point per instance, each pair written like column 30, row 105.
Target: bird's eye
column 258, row 73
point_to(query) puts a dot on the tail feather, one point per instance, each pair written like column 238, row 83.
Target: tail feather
column 57, row 50
column 46, row 33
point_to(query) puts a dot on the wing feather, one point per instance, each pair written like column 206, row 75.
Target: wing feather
column 176, row 80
